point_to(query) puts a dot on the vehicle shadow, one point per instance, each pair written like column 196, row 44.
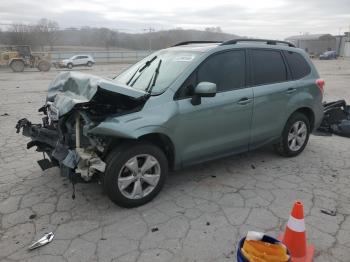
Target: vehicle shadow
column 211, row 174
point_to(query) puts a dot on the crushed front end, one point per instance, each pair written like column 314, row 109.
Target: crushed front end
column 75, row 104
column 64, row 143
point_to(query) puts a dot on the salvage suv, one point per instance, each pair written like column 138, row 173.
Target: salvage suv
column 183, row 105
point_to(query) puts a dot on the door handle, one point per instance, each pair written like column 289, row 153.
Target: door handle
column 291, row 90
column 244, row 101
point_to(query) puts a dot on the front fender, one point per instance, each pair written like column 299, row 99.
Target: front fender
column 151, row 119
column 131, row 128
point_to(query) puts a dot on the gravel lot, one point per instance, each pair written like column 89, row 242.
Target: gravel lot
column 200, row 214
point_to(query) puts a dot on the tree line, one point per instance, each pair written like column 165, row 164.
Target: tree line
column 46, row 34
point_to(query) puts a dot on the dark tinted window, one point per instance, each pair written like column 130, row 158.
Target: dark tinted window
column 267, row 67
column 187, row 88
column 297, row 64
column 226, row 70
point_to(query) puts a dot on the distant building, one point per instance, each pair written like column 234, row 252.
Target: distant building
column 343, row 44
column 314, row 44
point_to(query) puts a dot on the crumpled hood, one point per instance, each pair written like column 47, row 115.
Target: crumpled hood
column 71, row 88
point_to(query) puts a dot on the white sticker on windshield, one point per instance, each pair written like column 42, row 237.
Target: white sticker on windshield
column 184, row 58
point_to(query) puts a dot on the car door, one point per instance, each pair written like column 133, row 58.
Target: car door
column 273, row 89
column 219, row 125
column 78, row 60
column 83, row 60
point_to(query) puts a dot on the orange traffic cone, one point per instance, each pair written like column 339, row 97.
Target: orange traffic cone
column 295, row 236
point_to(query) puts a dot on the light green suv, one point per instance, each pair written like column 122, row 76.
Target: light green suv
column 183, row 105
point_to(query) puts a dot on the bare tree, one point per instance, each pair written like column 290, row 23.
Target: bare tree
column 20, row 34
column 107, row 37
column 47, row 32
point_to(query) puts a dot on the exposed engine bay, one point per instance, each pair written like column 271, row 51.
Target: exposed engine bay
column 76, row 103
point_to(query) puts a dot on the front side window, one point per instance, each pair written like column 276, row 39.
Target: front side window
column 226, row 70
column 157, row 71
column 267, row 67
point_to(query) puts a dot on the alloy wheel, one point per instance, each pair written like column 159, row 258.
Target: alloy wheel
column 297, row 136
column 139, row 176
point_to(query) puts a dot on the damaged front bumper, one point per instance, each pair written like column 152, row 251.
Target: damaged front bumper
column 61, row 149
column 75, row 104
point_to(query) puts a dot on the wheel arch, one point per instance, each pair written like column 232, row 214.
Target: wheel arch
column 160, row 140
column 309, row 113
column 164, row 143
column 15, row 59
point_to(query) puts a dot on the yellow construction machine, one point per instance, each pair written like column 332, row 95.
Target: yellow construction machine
column 20, row 56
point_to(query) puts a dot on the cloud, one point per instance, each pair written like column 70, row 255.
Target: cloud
column 269, row 18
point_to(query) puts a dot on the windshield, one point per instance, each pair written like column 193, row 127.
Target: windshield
column 158, row 70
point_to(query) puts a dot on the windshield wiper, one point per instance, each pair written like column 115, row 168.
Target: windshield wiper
column 139, row 70
column 153, row 78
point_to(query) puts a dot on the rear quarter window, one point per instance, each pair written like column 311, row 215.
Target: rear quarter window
column 298, row 66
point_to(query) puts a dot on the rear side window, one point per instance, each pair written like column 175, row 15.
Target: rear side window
column 226, row 70
column 297, row 64
column 267, row 67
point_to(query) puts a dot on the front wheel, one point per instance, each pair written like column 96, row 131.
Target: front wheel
column 70, row 66
column 135, row 173
column 89, row 64
column 295, row 136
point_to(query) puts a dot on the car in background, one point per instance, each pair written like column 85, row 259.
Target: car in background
column 328, row 55
column 77, row 60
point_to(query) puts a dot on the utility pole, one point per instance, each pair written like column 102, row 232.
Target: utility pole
column 149, row 31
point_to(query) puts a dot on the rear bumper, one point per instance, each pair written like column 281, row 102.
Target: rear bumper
column 318, row 118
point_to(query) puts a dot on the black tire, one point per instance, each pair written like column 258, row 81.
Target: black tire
column 44, row 66
column 115, row 165
column 283, row 147
column 69, row 65
column 17, row 66
column 89, row 64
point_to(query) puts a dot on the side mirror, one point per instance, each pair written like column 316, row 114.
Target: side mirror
column 203, row 89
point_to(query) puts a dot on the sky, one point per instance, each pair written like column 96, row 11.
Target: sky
column 252, row 18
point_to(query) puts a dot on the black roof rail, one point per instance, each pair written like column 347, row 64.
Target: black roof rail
column 197, row 42
column 267, row 41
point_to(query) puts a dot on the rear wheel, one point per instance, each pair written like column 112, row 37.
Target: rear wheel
column 44, row 66
column 295, row 136
column 17, row 66
column 135, row 174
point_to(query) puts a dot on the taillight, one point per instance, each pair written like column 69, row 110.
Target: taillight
column 320, row 83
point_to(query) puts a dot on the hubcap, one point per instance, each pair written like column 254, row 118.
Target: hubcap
column 297, row 136
column 139, row 176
